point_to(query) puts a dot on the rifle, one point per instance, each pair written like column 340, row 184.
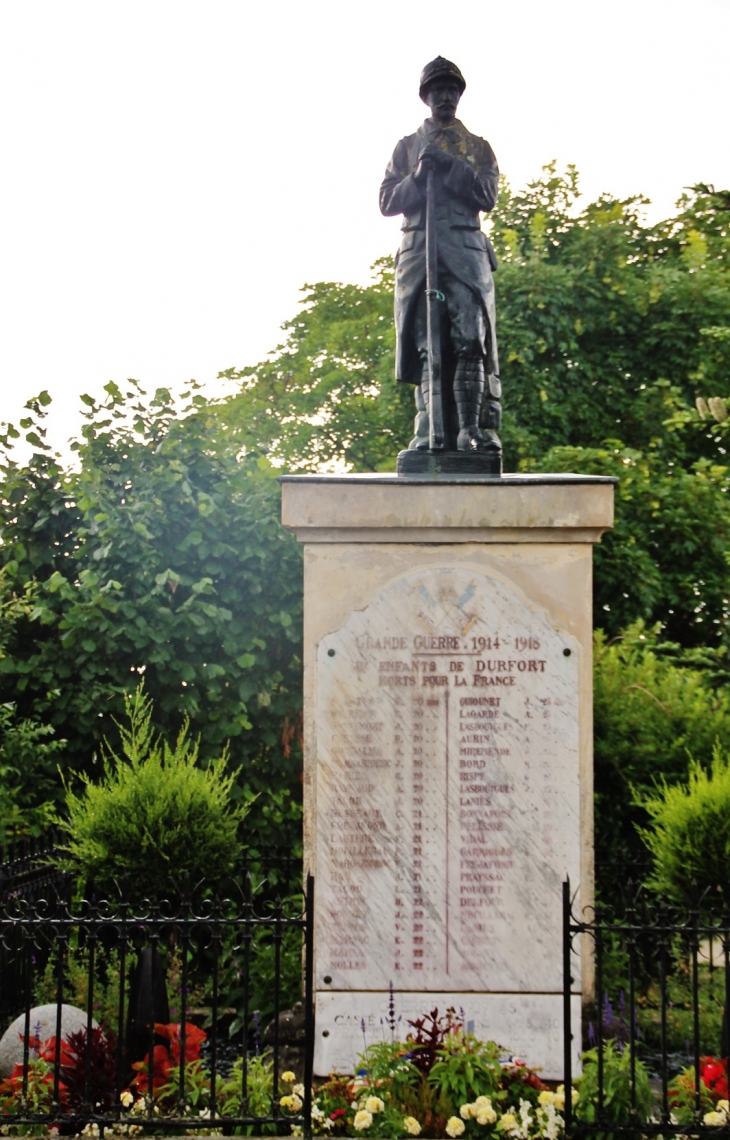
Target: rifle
column 433, row 322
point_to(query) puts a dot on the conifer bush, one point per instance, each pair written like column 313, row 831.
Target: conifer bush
column 157, row 823
column 690, row 834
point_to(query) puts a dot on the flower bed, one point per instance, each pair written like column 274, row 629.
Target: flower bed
column 441, row 1081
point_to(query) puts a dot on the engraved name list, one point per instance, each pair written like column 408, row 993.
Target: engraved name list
column 447, row 789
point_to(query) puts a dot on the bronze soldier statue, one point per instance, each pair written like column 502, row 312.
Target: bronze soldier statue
column 440, row 178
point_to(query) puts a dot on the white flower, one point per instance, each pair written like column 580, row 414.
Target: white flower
column 411, row 1125
column 298, row 1090
column 550, row 1124
column 126, row 1098
column 363, row 1119
column 465, row 1111
column 454, row 1126
column 374, row 1104
column 486, row 1116
column 714, row 1119
column 509, row 1122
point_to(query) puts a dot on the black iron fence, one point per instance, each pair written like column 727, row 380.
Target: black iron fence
column 158, row 1015
column 27, row 868
column 31, row 868
column 662, row 977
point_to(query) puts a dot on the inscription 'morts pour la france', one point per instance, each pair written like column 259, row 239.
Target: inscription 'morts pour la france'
column 447, row 789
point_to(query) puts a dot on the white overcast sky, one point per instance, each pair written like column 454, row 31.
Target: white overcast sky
column 174, row 171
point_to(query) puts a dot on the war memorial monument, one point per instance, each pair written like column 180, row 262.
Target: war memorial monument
column 448, row 782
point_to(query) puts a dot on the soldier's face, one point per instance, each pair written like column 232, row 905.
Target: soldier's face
column 443, row 97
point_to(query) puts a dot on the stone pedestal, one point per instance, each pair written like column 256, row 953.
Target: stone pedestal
column 448, row 749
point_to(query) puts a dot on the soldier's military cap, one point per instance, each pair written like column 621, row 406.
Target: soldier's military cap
column 440, row 68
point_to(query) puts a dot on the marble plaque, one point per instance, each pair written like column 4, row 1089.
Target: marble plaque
column 529, row 1025
column 447, row 791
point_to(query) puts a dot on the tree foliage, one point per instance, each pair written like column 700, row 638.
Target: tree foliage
column 326, row 398
column 159, row 556
column 607, row 326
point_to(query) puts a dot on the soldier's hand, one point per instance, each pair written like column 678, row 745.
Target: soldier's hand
column 431, row 158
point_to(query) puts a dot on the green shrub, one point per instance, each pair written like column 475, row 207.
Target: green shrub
column 157, row 822
column 690, row 834
column 617, row 1104
column 654, row 704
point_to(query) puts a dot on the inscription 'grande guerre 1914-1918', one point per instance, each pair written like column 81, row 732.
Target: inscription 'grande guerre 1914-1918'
column 447, row 790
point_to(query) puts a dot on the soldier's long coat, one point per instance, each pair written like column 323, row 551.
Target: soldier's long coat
column 470, row 187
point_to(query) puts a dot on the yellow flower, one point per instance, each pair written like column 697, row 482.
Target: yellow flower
column 288, row 1076
column 285, row 1102
column 715, row 1119
column 454, row 1126
column 374, row 1104
column 723, row 1106
column 465, row 1111
column 411, row 1126
column 547, row 1097
column 481, row 1110
column 559, row 1097
column 509, row 1122
column 363, row 1119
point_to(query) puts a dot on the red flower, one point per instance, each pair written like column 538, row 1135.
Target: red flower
column 161, row 1066
column 164, row 1057
column 713, row 1072
column 194, row 1038
column 337, row 1113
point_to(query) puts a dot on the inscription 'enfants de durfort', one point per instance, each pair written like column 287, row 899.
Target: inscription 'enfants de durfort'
column 426, row 669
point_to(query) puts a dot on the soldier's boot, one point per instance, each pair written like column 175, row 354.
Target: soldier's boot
column 491, row 416
column 421, row 425
column 469, row 393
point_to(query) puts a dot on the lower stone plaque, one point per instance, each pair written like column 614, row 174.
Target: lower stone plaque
column 447, row 808
column 530, row 1026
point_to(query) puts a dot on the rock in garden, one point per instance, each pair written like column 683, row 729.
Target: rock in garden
column 291, row 1039
column 42, row 1024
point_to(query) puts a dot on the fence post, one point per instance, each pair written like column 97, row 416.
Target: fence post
column 567, row 1026
column 308, row 1005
